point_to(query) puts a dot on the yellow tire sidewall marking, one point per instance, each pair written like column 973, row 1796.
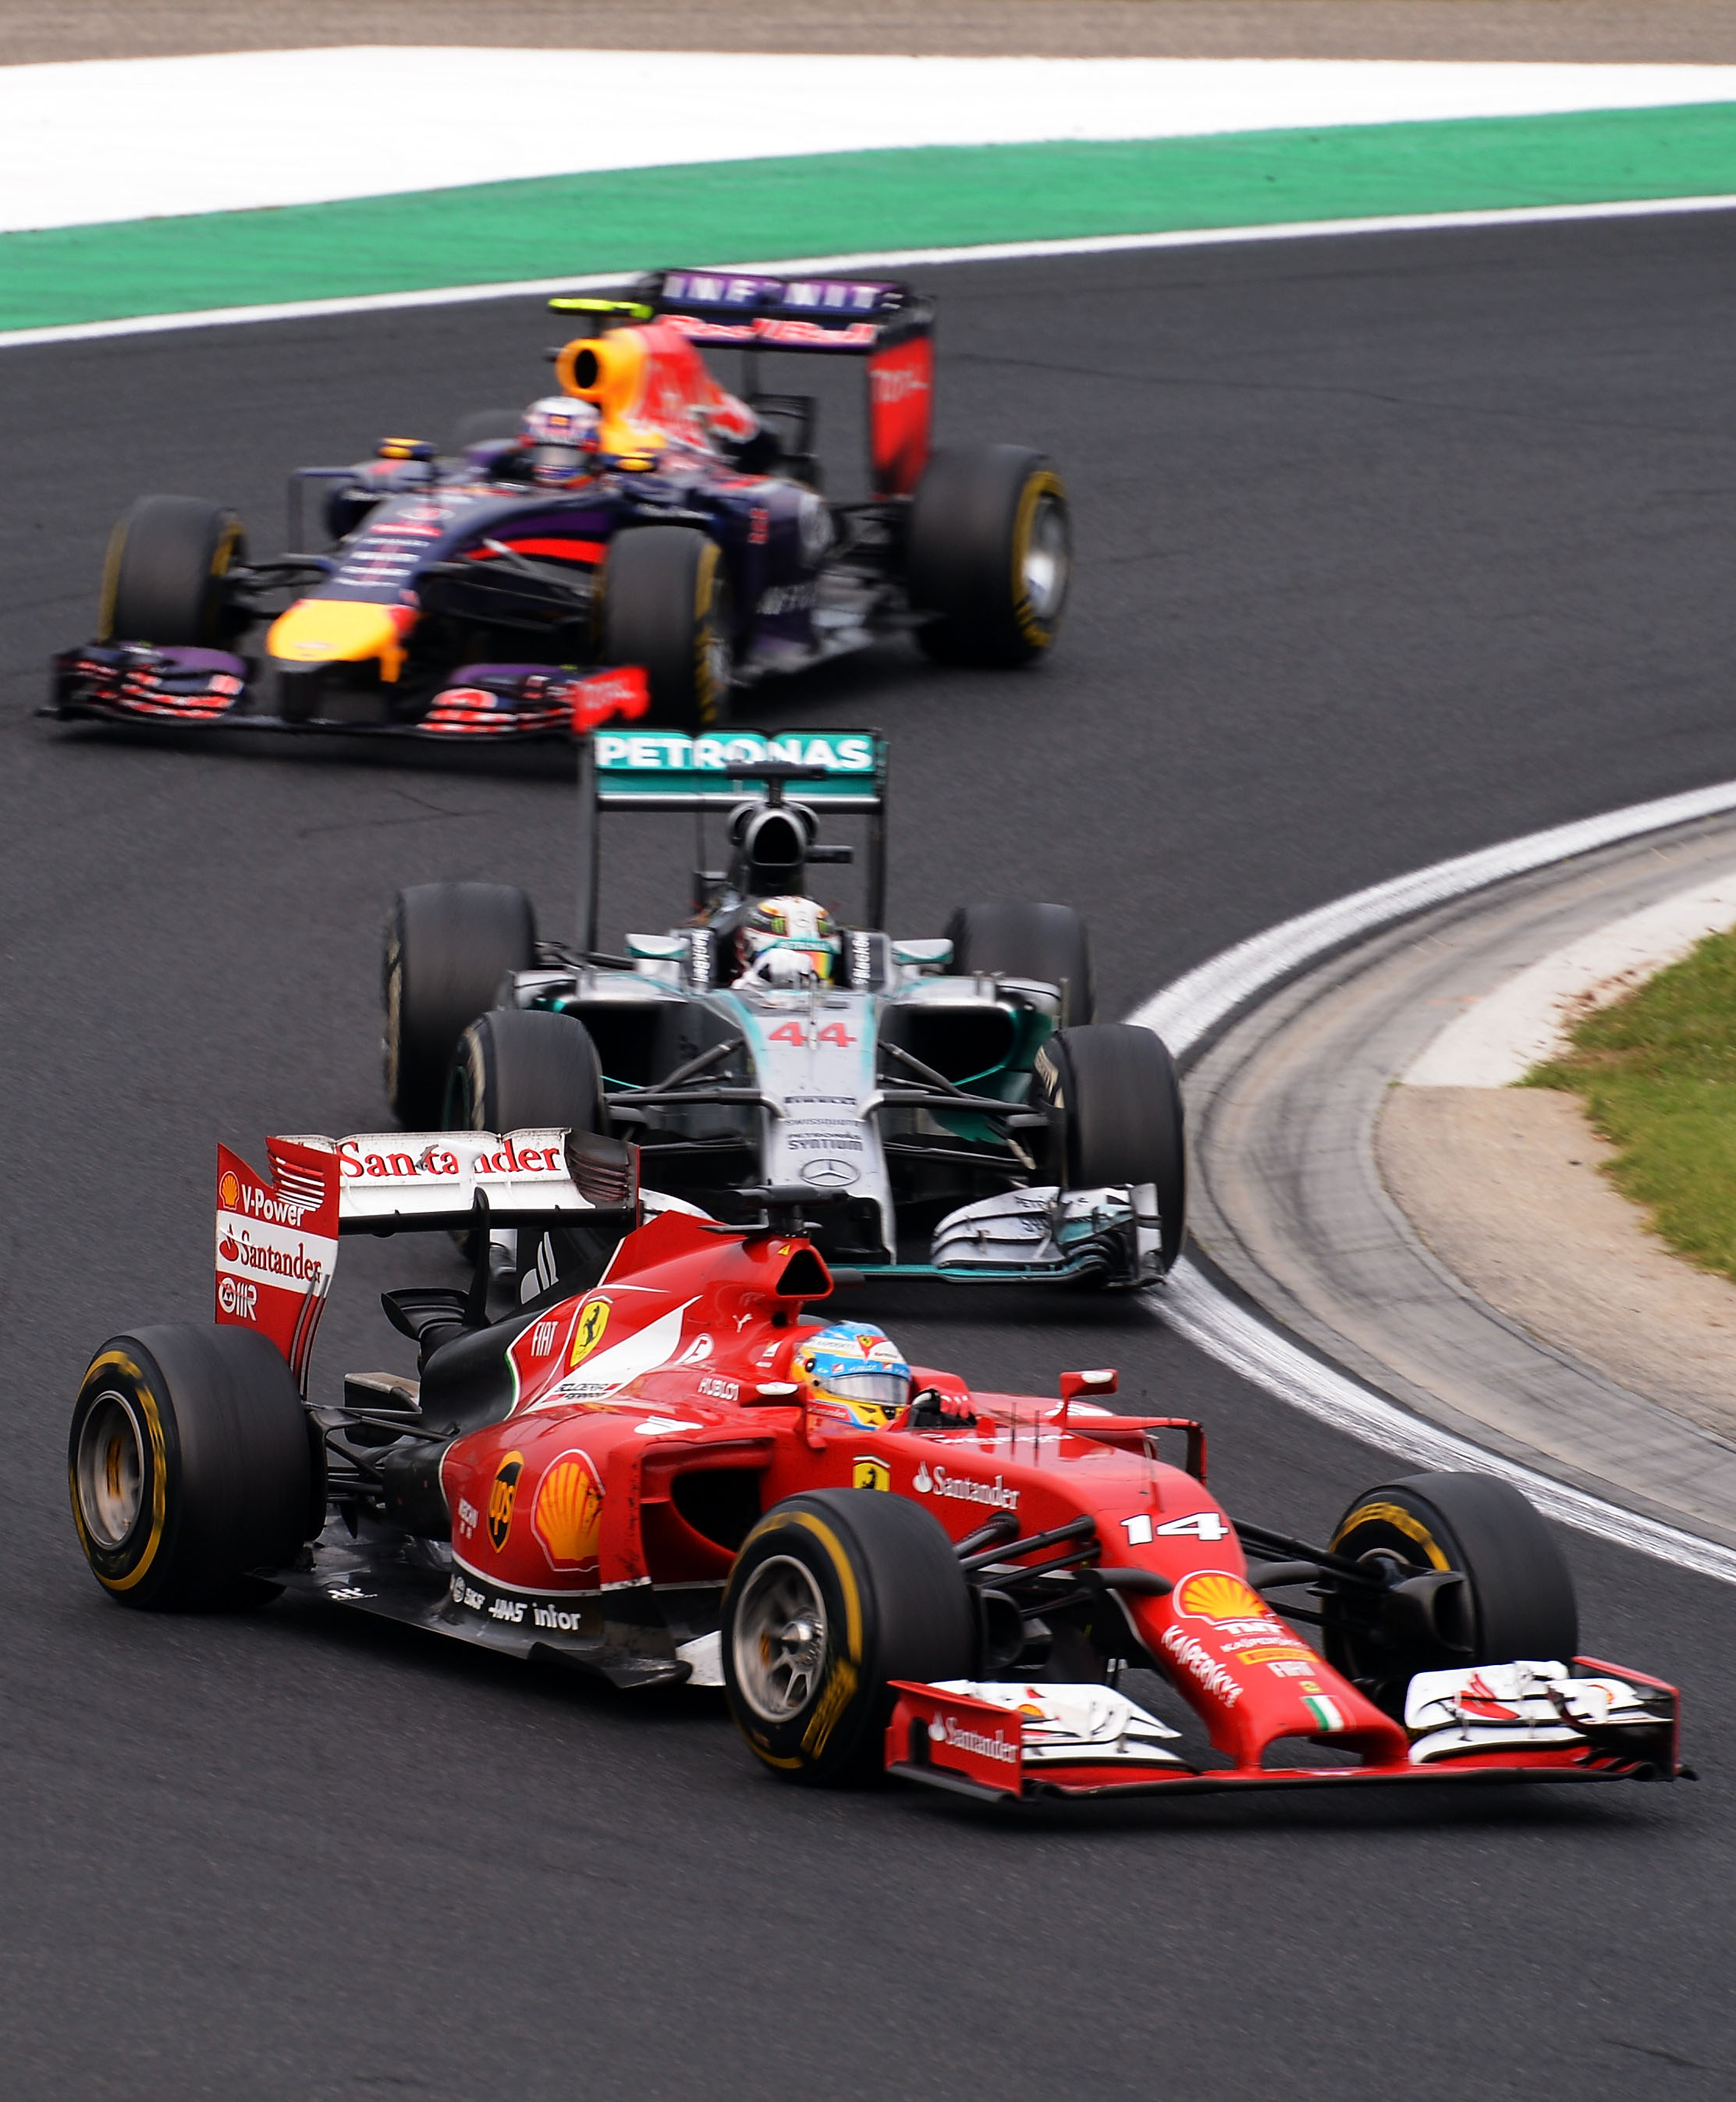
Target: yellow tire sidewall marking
column 153, row 1415
column 1402, row 1521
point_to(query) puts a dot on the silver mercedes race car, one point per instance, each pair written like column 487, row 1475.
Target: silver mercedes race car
column 948, row 1107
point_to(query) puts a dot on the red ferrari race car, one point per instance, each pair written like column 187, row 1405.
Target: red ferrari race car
column 669, row 1469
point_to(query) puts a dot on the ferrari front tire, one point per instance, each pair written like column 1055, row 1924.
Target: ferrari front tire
column 448, row 947
column 1116, row 1086
column 666, row 606
column 193, row 1468
column 164, row 581
column 833, row 1595
column 1510, row 1594
column 991, row 554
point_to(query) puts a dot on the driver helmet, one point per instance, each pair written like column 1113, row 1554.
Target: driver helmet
column 561, row 434
column 787, row 941
column 852, row 1372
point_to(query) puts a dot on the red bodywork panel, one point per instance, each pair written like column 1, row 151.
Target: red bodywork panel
column 650, row 1380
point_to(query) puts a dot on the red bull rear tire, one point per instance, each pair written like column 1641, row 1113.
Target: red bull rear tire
column 990, row 556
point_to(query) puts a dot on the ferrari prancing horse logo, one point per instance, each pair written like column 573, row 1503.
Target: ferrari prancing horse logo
column 593, row 1319
column 871, row 1473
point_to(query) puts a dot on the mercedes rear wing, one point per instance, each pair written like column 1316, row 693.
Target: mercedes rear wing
column 834, row 770
column 277, row 1240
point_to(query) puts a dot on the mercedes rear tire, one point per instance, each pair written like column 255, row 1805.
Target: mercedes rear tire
column 449, row 945
column 1011, row 939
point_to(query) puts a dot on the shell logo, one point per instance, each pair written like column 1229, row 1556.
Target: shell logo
column 567, row 1517
column 229, row 1190
column 1214, row 1595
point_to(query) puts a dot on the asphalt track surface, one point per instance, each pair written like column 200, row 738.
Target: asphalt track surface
column 1389, row 548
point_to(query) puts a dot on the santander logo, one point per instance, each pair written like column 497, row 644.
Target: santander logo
column 964, row 1488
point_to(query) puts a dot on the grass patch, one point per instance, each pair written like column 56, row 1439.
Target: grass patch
column 1657, row 1073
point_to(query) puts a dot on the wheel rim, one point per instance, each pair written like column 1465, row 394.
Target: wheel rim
column 779, row 1642
column 1044, row 568
column 111, row 1470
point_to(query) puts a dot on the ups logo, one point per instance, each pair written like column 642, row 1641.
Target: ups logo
column 502, row 1497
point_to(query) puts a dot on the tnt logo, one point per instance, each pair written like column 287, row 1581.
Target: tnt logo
column 237, row 1298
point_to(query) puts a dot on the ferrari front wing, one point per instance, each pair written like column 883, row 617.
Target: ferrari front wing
column 1539, row 1720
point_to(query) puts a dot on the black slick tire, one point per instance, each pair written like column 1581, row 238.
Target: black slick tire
column 666, row 606
column 1116, row 1085
column 1011, row 939
column 872, row 1582
column 164, row 583
column 448, row 946
column 192, row 1466
column 989, row 553
column 1514, row 1599
column 519, row 1069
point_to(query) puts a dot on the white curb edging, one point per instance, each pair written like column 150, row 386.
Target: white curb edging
column 1186, row 1014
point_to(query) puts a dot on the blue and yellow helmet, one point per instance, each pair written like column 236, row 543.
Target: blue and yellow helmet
column 853, row 1373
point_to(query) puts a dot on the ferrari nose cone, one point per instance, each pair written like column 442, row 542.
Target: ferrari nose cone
column 336, row 630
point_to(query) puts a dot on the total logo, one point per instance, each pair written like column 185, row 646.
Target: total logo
column 965, row 1489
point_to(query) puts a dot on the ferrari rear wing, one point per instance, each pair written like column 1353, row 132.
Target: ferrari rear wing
column 277, row 1239
column 838, row 770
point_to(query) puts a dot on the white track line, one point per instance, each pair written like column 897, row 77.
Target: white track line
column 888, row 259
column 1188, row 1012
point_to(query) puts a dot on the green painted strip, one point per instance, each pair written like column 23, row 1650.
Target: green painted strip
column 906, row 198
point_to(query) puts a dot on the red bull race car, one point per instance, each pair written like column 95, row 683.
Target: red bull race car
column 689, row 1469
column 639, row 545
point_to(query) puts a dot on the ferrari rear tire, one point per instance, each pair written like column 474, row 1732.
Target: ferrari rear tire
column 1116, row 1085
column 169, row 560
column 990, row 554
column 192, row 1468
column 519, row 1069
column 1514, row 1600
column 1010, row 938
column 448, row 947
column 666, row 606
column 833, row 1595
